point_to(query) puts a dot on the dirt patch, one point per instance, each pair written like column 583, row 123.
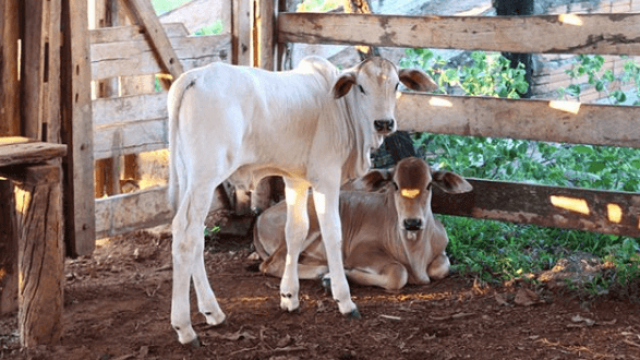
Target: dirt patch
column 117, row 307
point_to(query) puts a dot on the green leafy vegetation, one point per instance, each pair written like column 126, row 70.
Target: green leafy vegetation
column 496, row 251
column 318, row 5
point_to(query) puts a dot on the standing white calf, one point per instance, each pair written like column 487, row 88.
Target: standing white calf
column 243, row 124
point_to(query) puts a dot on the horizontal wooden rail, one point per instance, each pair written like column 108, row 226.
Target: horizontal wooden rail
column 17, row 150
column 566, row 33
column 574, row 208
column 556, row 121
column 127, row 57
column 130, row 124
column 120, row 214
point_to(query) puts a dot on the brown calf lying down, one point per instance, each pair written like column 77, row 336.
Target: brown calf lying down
column 390, row 237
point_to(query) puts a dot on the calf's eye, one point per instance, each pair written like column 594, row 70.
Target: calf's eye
column 361, row 89
column 397, row 86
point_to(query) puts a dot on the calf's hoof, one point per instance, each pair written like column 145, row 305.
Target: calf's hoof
column 195, row 343
column 355, row 314
column 289, row 302
column 214, row 318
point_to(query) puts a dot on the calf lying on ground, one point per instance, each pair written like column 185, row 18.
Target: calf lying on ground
column 390, row 238
column 314, row 126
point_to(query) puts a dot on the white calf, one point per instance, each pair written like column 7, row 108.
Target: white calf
column 243, row 124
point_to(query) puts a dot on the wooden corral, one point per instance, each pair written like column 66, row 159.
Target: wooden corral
column 46, row 98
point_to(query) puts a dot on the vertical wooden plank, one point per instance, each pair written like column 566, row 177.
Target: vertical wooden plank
column 264, row 34
column 77, row 129
column 241, row 32
column 9, row 89
column 8, row 250
column 9, row 126
column 52, row 115
column 32, row 68
column 41, row 256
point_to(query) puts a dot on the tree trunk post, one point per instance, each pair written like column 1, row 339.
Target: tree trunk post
column 41, row 255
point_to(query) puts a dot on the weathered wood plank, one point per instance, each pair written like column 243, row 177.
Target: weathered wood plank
column 555, row 121
column 162, row 48
column 131, row 138
column 128, row 212
column 265, row 35
column 41, row 257
column 137, row 58
column 52, row 110
column 9, row 236
column 19, row 150
column 32, row 69
column 116, row 111
column 77, row 129
column 241, row 33
column 197, row 14
column 573, row 208
column 574, row 34
column 132, row 33
column 9, row 85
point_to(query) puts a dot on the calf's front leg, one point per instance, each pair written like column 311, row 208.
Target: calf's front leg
column 327, row 209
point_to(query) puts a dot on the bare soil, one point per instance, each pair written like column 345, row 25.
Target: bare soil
column 117, row 307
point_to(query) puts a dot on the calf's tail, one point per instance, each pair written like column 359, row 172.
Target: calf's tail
column 175, row 96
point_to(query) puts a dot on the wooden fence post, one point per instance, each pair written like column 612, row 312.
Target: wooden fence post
column 41, row 255
column 77, row 131
column 9, row 125
column 264, row 41
column 241, row 32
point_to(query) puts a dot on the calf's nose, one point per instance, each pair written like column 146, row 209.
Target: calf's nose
column 412, row 224
column 383, row 125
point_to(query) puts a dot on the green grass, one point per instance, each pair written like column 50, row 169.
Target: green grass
column 162, row 6
column 318, row 5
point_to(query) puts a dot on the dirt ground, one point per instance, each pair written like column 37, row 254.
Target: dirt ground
column 117, row 308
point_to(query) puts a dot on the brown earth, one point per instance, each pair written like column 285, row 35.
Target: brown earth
column 117, row 308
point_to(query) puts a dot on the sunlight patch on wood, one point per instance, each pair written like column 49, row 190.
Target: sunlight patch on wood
column 570, row 19
column 568, row 106
column 439, row 102
column 614, row 213
column 572, row 204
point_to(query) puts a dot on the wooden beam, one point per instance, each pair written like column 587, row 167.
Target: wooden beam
column 9, row 85
column 241, row 33
column 146, row 17
column 566, row 122
column 128, row 212
column 264, row 35
column 137, row 58
column 9, row 236
column 131, row 138
column 33, row 68
column 20, row 150
column 41, row 256
column 573, row 208
column 572, row 33
column 77, row 129
column 132, row 33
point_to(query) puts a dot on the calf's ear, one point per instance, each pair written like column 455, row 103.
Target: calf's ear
column 344, row 84
column 451, row 182
column 417, row 80
column 372, row 181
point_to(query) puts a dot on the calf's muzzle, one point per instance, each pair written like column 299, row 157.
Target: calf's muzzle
column 384, row 126
column 413, row 224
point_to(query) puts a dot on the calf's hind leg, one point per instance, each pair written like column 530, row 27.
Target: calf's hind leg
column 188, row 260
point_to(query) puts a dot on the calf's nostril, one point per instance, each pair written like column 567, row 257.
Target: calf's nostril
column 413, row 224
column 383, row 125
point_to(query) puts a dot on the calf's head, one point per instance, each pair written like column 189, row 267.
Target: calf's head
column 411, row 192
column 374, row 85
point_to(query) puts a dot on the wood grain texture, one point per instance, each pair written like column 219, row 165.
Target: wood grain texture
column 22, row 152
column 264, row 35
column 9, row 85
column 137, row 58
column 532, row 204
column 132, row 33
column 77, row 129
column 575, row 34
column 8, row 250
column 520, row 119
column 41, row 257
column 127, row 212
column 156, row 36
column 241, row 33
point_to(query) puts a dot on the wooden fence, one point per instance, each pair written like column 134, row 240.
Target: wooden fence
column 557, row 121
column 133, row 124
